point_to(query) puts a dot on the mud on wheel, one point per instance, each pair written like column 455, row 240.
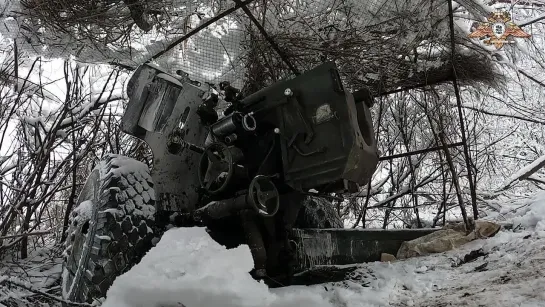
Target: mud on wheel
column 317, row 212
column 110, row 229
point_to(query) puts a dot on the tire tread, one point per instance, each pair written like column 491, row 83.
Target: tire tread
column 117, row 204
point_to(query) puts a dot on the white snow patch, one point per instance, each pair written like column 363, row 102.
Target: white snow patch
column 129, row 167
column 126, row 166
column 187, row 267
column 533, row 215
column 41, row 270
column 528, row 214
column 84, row 210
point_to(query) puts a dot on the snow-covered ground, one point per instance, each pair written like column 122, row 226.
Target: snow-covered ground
column 189, row 269
column 40, row 272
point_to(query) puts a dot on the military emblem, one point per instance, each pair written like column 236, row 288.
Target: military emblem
column 497, row 30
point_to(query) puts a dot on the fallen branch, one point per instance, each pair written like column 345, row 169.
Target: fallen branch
column 14, row 282
column 524, row 173
column 37, row 233
column 403, row 192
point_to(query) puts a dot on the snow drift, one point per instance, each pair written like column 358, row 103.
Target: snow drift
column 188, row 268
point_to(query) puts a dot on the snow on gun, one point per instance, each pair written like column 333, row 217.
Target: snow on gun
column 244, row 174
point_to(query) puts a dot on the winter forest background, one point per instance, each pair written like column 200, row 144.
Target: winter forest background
column 64, row 65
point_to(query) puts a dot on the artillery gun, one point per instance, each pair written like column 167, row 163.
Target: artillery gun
column 251, row 175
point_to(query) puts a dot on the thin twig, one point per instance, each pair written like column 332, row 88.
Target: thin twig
column 37, row 233
column 23, row 285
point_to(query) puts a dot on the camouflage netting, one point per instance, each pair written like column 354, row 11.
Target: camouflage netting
column 380, row 45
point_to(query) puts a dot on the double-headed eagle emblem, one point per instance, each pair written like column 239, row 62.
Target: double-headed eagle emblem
column 497, row 30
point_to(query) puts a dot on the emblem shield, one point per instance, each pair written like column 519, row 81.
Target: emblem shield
column 498, row 29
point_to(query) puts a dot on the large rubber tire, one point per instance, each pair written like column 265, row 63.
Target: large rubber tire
column 110, row 230
column 317, row 212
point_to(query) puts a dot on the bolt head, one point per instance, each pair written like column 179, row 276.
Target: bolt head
column 288, row 92
column 276, row 130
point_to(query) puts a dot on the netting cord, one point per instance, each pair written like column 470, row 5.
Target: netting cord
column 276, row 48
column 238, row 5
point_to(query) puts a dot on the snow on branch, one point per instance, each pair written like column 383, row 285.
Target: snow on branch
column 70, row 116
column 524, row 173
column 404, row 191
column 85, row 109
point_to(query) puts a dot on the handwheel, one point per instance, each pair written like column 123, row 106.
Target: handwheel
column 263, row 196
column 216, row 168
